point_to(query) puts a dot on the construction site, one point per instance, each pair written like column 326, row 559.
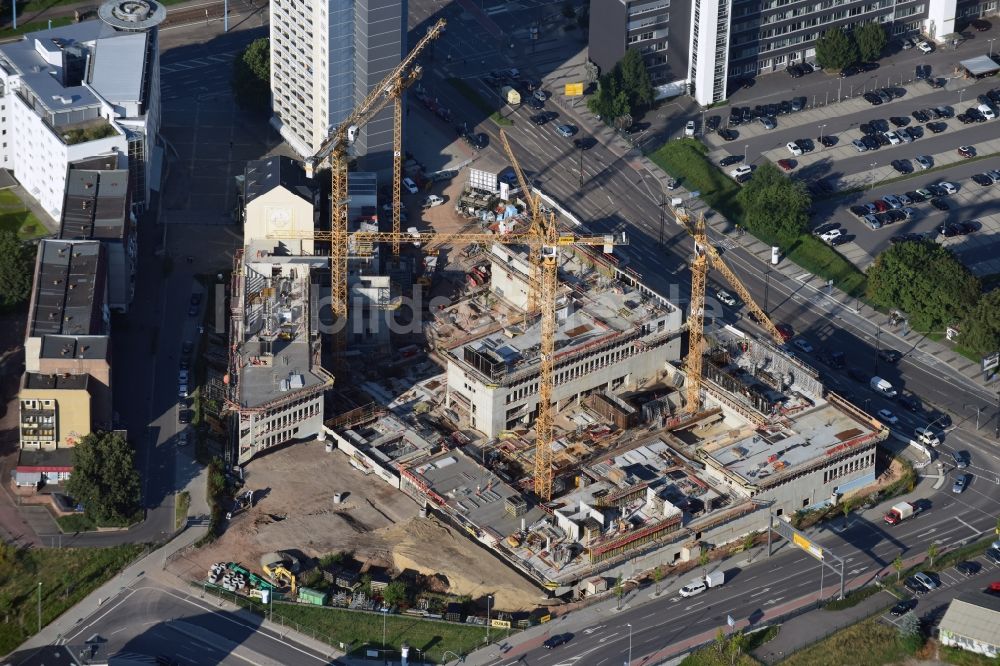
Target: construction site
column 537, row 418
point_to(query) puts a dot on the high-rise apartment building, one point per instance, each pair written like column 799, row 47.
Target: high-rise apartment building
column 694, row 46
column 325, row 58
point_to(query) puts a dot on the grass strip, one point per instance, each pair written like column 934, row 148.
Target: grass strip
column 867, row 643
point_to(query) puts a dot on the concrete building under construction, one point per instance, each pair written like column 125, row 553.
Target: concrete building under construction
column 276, row 379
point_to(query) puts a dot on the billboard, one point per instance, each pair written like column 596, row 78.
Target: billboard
column 807, row 545
column 574, row 89
column 483, row 180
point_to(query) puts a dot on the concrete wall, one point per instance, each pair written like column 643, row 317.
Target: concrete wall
column 300, row 420
column 275, row 212
column 362, row 461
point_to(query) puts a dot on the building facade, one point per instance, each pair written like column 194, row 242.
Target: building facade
column 279, row 200
column 79, row 91
column 972, row 623
column 54, row 410
column 325, row 58
column 694, row 47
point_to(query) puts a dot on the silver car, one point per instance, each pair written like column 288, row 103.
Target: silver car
column 961, row 481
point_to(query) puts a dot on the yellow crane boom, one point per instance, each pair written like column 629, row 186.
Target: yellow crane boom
column 537, row 226
column 706, row 255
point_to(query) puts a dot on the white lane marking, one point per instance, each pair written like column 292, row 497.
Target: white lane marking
column 757, row 594
column 967, row 524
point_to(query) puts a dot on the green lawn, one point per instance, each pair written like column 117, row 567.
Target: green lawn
column 471, row 94
column 357, row 629
column 686, row 160
column 182, row 504
column 868, row 643
column 78, row 522
column 710, row 655
column 16, row 217
column 67, row 575
column 34, row 26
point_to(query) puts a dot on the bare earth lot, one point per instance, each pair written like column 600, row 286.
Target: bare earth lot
column 374, row 520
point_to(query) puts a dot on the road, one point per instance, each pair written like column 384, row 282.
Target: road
column 154, row 619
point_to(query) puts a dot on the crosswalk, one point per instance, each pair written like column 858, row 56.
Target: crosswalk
column 195, row 63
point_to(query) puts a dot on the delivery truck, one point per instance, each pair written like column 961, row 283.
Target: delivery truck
column 901, row 512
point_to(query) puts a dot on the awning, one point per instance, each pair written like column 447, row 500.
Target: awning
column 27, row 478
column 980, row 66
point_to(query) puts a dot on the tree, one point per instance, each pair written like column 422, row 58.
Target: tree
column 836, row 49
column 981, row 327
column 775, row 207
column 926, row 281
column 932, row 553
column 897, row 564
column 703, row 560
column 252, row 76
column 871, row 39
column 635, row 80
column 845, row 506
column 657, row 578
column 395, row 593
column 15, row 269
column 748, row 542
column 909, row 632
column 105, row 479
column 720, row 641
column 737, row 644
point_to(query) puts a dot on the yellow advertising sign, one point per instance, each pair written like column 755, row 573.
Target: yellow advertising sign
column 574, row 89
column 500, row 624
column 808, row 546
column 544, row 618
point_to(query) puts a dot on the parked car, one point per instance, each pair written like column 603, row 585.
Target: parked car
column 742, row 170
column 794, row 148
column 903, row 607
column 409, row 185
column 925, row 47
column 827, row 141
column 902, row 166
column 926, row 580
column 924, row 161
column 786, row 164
column 803, row 345
column 689, row 128
column 981, row 25
column 966, row 151
column 993, row 555
column 949, row 188
column 725, row 297
column 785, row 331
column 728, row 135
column 432, row 201
column 768, row 122
column 556, row 641
column 982, row 179
column 694, row 587
column 729, row 160
column 831, row 235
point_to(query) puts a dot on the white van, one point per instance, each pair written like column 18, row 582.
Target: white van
column 987, row 111
column 927, row 437
column 883, row 387
column 696, row 586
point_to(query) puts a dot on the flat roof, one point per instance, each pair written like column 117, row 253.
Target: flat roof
column 95, row 205
column 980, row 65
column 974, row 615
column 69, row 290
column 87, row 347
column 474, row 492
column 118, row 67
column 61, row 458
column 277, row 351
column 34, row 380
column 820, row 431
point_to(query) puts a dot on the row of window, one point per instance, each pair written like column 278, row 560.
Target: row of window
column 635, row 10
column 586, row 367
column 858, row 464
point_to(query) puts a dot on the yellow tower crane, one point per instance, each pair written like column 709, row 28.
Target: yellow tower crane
column 704, row 255
column 548, row 243
column 334, row 149
column 537, row 226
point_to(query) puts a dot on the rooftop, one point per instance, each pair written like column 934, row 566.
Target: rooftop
column 974, row 615
column 87, row 347
column 262, row 176
column 69, row 289
column 41, row 460
column 96, row 204
column 474, row 492
column 591, row 310
column 278, row 351
column 34, row 380
column 57, row 82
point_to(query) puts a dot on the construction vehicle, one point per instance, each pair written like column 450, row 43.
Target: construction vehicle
column 704, row 255
column 277, row 567
column 241, row 503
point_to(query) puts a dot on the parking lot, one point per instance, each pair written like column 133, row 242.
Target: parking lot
column 887, row 169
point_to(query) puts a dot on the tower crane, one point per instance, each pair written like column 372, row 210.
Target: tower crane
column 704, row 256
column 334, row 149
column 547, row 241
column 537, row 226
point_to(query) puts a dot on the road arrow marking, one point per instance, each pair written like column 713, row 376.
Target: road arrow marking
column 764, row 591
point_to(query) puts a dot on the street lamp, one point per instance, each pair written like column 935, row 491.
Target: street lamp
column 874, row 164
column 979, row 410
column 489, row 598
column 990, row 42
column 39, row 606
column 821, row 128
column 961, row 93
column 385, row 612
column 629, row 662
column 745, row 149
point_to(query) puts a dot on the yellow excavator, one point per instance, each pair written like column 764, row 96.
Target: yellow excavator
column 275, row 569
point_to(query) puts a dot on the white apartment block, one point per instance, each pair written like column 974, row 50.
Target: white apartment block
column 325, row 58
column 80, row 91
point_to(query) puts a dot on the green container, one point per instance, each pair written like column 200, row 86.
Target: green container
column 310, row 596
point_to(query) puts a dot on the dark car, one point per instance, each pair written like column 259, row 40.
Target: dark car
column 948, row 230
column 889, row 355
column 905, row 238
column 965, row 228
column 851, row 70
column 556, row 641
column 859, row 211
column 836, row 359
column 743, row 177
column 729, row 135
column 786, row 331
column 981, row 25
column 535, row 104
column 540, row 119
column 920, row 116
column 993, row 555
column 895, row 216
column 872, row 98
column 187, row 347
column 944, row 111
column 916, row 197
column 867, row 66
column 914, row 585
column 915, row 132
column 902, row 166
column 982, row 179
column 903, row 607
column 713, row 122
column 730, row 159
column 794, row 71
column 798, row 104
column 910, row 402
column 964, row 119
column 785, row 108
column 940, row 203
column 746, row 114
column 735, row 118
column 477, row 141
column 585, row 143
column 899, row 121
column 868, row 129
column 966, row 151
column 968, row 569
column 184, row 416
column 827, row 141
